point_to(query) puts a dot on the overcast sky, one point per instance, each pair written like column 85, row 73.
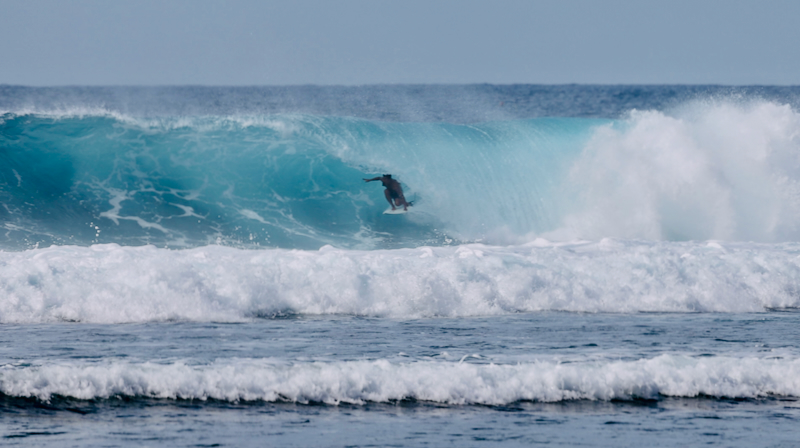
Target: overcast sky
column 352, row 42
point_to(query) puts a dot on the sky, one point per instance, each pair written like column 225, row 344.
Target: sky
column 357, row 42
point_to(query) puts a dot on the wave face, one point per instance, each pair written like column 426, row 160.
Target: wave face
column 283, row 181
column 722, row 170
column 383, row 381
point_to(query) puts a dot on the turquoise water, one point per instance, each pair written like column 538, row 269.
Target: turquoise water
column 288, row 181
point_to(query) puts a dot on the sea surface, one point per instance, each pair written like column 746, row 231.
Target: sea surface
column 581, row 266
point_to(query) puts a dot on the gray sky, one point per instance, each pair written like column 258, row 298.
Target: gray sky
column 351, row 42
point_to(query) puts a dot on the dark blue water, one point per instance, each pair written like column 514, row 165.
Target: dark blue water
column 542, row 343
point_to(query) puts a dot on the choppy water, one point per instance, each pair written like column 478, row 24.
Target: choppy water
column 606, row 266
column 551, row 377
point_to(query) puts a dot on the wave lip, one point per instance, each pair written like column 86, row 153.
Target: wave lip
column 358, row 382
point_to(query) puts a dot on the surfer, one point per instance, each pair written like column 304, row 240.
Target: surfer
column 393, row 192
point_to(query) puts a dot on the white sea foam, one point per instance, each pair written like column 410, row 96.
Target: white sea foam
column 384, row 381
column 110, row 283
column 711, row 170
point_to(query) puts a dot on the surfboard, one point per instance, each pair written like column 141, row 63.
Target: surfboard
column 397, row 211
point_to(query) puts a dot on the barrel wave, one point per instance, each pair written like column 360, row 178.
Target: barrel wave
column 282, row 181
column 709, row 170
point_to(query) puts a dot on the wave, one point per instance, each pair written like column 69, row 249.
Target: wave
column 112, row 283
column 287, row 181
column 358, row 382
column 719, row 170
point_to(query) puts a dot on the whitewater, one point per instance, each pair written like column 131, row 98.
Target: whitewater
column 575, row 255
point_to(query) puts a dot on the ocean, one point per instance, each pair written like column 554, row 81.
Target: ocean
column 581, row 266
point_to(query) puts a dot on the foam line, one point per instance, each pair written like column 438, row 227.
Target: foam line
column 383, row 381
column 111, row 283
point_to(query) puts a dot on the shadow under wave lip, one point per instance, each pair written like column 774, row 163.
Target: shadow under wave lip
column 785, row 309
column 60, row 404
column 285, row 314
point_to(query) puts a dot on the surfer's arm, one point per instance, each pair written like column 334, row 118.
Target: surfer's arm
column 370, row 180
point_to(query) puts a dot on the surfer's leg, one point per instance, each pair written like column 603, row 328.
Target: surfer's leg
column 389, row 198
column 401, row 200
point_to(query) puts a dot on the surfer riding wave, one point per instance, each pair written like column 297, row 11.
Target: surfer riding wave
column 393, row 192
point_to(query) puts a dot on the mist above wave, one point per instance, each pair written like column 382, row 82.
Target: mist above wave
column 395, row 103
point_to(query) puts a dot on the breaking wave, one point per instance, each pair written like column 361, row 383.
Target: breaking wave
column 358, row 382
column 721, row 170
column 111, row 283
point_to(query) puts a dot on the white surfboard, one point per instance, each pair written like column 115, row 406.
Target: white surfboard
column 397, row 211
